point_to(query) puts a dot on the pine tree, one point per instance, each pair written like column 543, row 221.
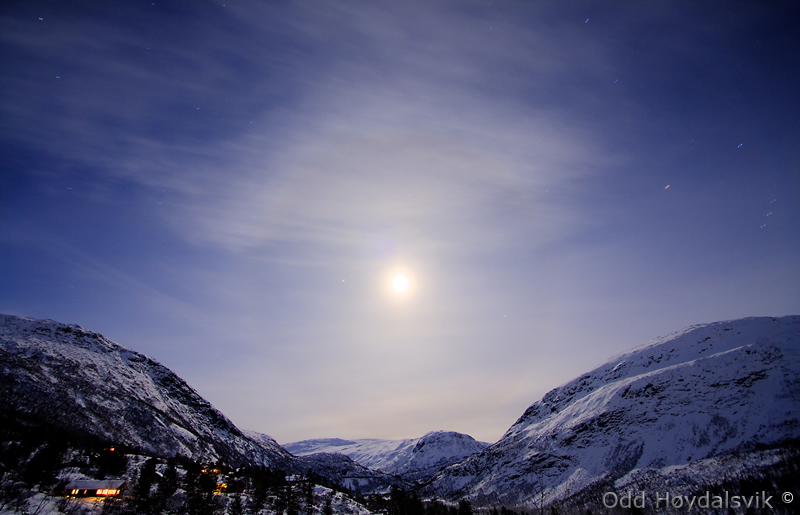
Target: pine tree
column 167, row 485
column 397, row 501
column 308, row 497
column 142, row 502
column 236, row 507
column 291, row 505
column 414, row 505
column 43, row 466
column 282, row 499
column 110, row 462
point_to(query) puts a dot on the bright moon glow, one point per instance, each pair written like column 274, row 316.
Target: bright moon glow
column 400, row 283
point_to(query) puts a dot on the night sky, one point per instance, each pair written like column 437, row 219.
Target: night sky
column 228, row 186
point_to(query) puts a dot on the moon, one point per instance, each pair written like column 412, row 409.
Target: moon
column 400, row 283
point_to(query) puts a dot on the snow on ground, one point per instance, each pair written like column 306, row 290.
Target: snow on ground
column 708, row 391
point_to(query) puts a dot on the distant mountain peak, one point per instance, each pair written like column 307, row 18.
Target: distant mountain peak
column 415, row 459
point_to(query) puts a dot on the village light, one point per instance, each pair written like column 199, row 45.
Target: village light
column 93, row 488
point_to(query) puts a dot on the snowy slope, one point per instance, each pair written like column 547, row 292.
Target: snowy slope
column 680, row 404
column 372, row 453
column 346, row 472
column 339, row 468
column 415, row 459
column 435, row 451
column 76, row 380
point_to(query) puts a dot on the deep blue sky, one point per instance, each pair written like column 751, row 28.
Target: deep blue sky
column 225, row 185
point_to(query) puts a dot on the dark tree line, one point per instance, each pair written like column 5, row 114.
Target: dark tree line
column 248, row 490
column 402, row 502
column 32, row 456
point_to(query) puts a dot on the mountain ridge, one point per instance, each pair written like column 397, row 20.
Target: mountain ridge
column 708, row 391
column 413, row 459
column 708, row 405
column 69, row 377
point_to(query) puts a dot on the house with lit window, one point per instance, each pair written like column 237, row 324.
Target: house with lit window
column 92, row 488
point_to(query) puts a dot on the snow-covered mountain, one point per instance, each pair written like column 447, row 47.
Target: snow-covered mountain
column 701, row 406
column 704, row 406
column 77, row 381
column 372, row 453
column 415, row 459
column 339, row 468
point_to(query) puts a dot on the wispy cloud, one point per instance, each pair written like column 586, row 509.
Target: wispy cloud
column 370, row 120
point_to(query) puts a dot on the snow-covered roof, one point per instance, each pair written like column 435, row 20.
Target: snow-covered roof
column 91, row 484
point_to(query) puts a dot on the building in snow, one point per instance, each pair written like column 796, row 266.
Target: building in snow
column 92, row 488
